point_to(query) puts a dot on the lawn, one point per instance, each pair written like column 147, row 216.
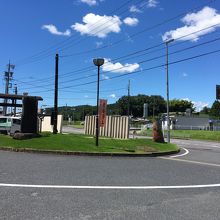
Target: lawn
column 82, row 143
column 191, row 134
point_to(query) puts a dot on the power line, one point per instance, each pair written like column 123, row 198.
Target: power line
column 48, row 54
column 124, row 56
column 168, row 20
column 144, row 61
column 151, row 68
column 139, row 32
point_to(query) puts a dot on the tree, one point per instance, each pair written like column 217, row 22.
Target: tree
column 156, row 105
column 205, row 110
column 215, row 109
column 179, row 105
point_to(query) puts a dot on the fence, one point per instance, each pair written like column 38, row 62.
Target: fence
column 115, row 127
column 187, row 127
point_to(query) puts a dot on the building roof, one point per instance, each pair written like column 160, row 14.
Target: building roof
column 18, row 97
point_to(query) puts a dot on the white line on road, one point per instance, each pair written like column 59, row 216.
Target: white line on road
column 191, row 161
column 214, row 146
column 181, row 155
column 108, row 187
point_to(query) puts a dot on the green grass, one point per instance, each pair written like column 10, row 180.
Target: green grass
column 191, row 134
column 199, row 135
column 82, row 143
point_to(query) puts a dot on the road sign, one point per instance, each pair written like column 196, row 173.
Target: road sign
column 102, row 112
column 217, row 91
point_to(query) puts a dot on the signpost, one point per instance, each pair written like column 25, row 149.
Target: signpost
column 217, row 92
column 102, row 112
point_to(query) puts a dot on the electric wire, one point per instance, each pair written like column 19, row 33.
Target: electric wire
column 140, row 62
column 139, row 71
column 168, row 20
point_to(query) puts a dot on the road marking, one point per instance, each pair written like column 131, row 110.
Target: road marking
column 108, row 187
column 191, row 161
column 181, row 155
column 214, row 146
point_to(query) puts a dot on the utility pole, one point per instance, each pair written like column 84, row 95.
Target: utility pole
column 16, row 92
column 129, row 85
column 167, row 85
column 56, row 95
column 153, row 107
column 8, row 78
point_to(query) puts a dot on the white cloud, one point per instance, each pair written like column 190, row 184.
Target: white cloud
column 105, row 77
column 53, row 30
column 194, row 22
column 185, row 74
column 131, row 21
column 113, row 96
column 89, row 2
column 152, row 3
column 97, row 25
column 118, row 67
column 186, row 99
column 86, row 96
column 199, row 105
column 134, row 9
column 98, row 44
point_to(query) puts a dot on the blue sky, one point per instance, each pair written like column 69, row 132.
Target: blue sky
column 80, row 30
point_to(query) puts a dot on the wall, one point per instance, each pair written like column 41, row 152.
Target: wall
column 46, row 126
column 116, row 127
column 193, row 123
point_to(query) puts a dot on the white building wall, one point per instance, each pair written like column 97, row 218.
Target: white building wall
column 46, row 126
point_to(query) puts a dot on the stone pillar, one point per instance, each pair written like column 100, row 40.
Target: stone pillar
column 157, row 132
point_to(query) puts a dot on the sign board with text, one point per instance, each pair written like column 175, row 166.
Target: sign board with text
column 102, row 112
column 217, row 91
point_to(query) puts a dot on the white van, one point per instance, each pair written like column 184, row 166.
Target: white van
column 10, row 125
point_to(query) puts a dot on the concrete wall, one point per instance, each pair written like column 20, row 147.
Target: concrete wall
column 116, row 127
column 193, row 123
column 46, row 126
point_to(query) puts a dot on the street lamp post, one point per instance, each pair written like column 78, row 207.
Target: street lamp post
column 167, row 85
column 98, row 62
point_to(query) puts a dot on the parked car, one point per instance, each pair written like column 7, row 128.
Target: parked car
column 10, row 125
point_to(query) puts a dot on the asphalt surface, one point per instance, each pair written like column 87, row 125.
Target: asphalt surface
column 71, row 129
column 200, row 165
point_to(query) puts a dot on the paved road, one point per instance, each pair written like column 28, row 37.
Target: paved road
column 203, row 151
column 201, row 166
column 70, row 129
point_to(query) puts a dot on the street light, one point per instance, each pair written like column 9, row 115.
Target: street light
column 167, row 82
column 98, row 62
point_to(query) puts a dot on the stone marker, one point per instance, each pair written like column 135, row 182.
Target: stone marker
column 157, row 132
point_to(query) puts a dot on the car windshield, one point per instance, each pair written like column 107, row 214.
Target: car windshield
column 3, row 120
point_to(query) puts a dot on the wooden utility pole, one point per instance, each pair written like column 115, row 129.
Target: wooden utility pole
column 129, row 85
column 56, row 95
column 16, row 92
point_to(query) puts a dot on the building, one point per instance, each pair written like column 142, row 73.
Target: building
column 187, row 122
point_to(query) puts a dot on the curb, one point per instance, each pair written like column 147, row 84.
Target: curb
column 57, row 152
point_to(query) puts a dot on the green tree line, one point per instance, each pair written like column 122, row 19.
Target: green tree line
column 156, row 106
